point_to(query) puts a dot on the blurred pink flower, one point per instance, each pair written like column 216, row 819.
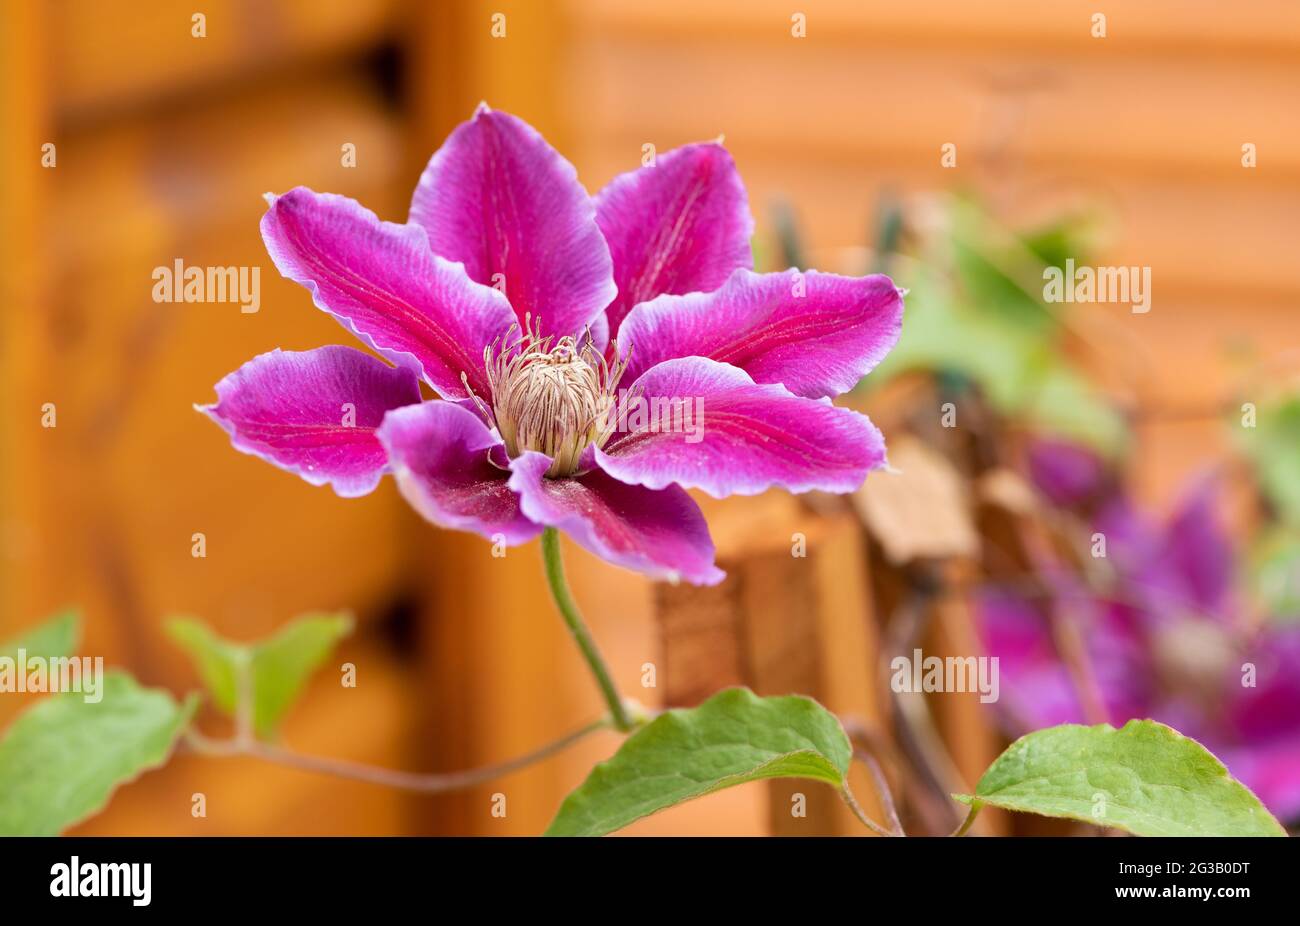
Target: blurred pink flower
column 1163, row 642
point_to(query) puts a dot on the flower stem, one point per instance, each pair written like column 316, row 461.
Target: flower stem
column 573, row 619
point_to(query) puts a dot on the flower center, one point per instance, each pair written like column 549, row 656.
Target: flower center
column 554, row 398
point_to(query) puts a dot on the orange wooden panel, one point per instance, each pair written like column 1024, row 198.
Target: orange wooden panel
column 131, row 472
column 1156, row 25
column 1056, row 113
column 780, row 624
column 107, row 55
column 507, row 53
column 23, row 289
column 507, row 678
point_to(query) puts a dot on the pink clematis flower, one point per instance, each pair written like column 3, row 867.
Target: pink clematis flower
column 525, row 304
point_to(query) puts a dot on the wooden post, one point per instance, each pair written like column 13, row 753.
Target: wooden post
column 792, row 617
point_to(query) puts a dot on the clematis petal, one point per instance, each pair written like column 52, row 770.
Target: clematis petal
column 1037, row 689
column 499, row 199
column 1066, row 473
column 599, row 332
column 1255, row 729
column 1270, row 708
column 1182, row 567
column 708, row 425
column 314, row 413
column 815, row 333
column 1197, row 554
column 386, row 287
column 1271, row 771
column 442, row 458
column 660, row 533
column 679, row 225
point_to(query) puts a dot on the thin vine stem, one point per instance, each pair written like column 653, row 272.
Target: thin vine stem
column 408, row 781
column 969, row 821
column 244, row 720
column 578, row 628
column 864, row 746
column 882, row 788
column 244, row 742
column 861, row 814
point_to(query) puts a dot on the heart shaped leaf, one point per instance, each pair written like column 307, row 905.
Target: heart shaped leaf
column 52, row 639
column 62, row 759
column 1145, row 778
column 732, row 738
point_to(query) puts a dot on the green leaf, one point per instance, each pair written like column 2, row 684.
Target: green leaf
column 283, row 663
column 732, row 738
column 1145, row 778
column 1275, row 572
column 1062, row 403
column 975, row 308
column 939, row 334
column 279, row 666
column 52, row 639
column 62, row 759
column 988, row 282
column 217, row 660
column 1274, row 447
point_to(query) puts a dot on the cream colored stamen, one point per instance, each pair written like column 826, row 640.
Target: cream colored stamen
column 551, row 396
